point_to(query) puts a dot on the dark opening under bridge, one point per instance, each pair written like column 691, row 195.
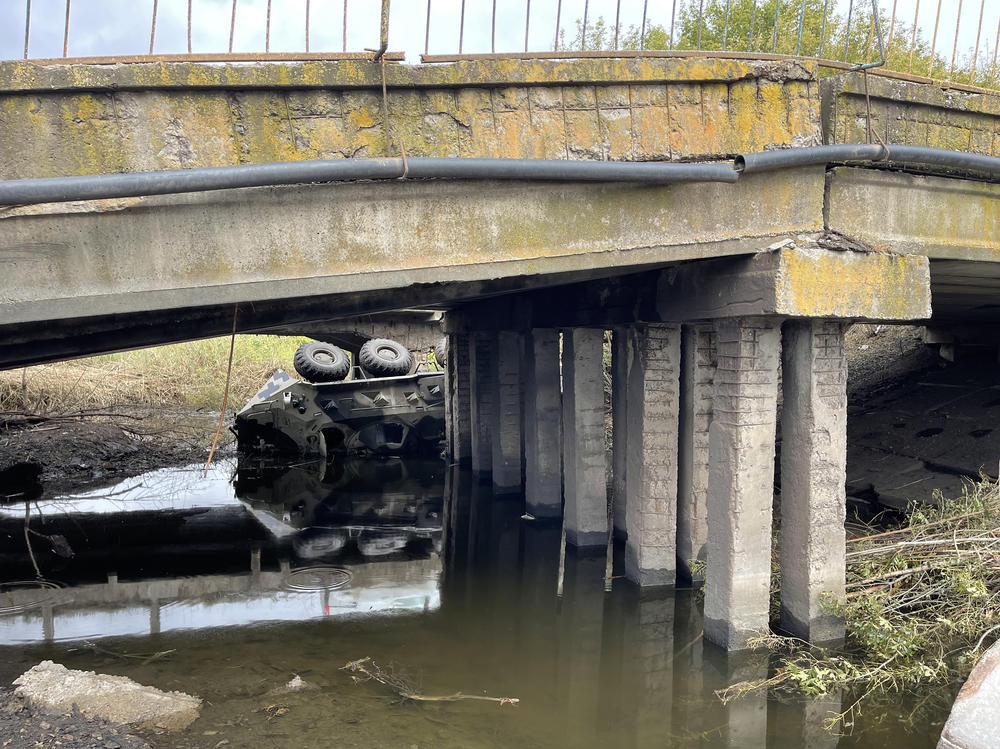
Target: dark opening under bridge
column 644, row 205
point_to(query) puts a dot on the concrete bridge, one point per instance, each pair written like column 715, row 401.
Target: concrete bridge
column 706, row 286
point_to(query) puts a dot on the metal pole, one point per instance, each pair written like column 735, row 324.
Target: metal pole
column 979, row 31
column 913, row 37
column 493, row 29
column 27, row 25
column 267, row 28
column 189, row 27
column 642, row 33
column 232, row 29
column 802, row 18
column 427, row 29
column 461, row 27
column 673, row 18
column 996, row 46
column 892, row 25
column 307, row 26
column 555, row 45
column 383, row 36
column 344, row 27
column 822, row 31
column 774, row 31
column 725, row 26
column 527, row 23
column 847, row 36
column 954, row 49
column 701, row 11
column 66, row 32
column 583, row 36
column 937, row 18
column 618, row 16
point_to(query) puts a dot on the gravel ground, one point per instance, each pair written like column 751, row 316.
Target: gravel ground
column 24, row 727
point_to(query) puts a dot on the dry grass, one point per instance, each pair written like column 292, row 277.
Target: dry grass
column 184, row 375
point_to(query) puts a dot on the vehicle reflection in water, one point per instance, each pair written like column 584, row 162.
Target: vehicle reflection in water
column 173, row 550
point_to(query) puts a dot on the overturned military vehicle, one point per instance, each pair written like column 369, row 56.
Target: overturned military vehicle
column 389, row 406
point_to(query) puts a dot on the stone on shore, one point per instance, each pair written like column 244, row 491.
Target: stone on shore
column 117, row 699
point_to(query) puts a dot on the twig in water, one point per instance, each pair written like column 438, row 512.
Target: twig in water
column 27, row 539
column 372, row 672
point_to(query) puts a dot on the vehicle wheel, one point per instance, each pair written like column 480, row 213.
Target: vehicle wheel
column 321, row 362
column 384, row 358
column 441, row 353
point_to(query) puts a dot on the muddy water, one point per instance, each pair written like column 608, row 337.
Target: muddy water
column 228, row 586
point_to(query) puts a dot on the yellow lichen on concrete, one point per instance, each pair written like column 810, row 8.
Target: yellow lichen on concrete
column 859, row 285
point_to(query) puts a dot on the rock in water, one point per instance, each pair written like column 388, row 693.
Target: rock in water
column 117, row 699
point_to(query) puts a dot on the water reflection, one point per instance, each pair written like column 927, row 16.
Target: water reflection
column 175, row 550
column 457, row 590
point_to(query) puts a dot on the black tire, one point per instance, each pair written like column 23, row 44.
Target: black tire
column 381, row 357
column 441, row 352
column 321, row 362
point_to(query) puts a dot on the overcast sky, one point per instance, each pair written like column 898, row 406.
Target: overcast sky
column 116, row 27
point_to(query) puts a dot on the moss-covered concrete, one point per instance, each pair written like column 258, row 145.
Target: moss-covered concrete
column 94, row 119
column 905, row 112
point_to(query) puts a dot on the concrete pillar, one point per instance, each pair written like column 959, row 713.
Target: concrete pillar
column 813, row 474
column 482, row 363
column 584, row 451
column 507, row 430
column 697, row 376
column 621, row 356
column 651, row 475
column 741, row 480
column 542, row 425
column 459, row 377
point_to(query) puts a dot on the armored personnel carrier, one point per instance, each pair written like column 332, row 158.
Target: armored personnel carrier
column 390, row 405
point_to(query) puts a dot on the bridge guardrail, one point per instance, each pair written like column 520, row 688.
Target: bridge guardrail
column 952, row 42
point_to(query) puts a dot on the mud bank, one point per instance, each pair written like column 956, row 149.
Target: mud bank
column 61, row 454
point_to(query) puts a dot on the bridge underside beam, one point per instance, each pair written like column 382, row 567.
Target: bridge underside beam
column 167, row 253
column 941, row 217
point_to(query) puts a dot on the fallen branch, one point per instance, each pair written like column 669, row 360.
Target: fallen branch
column 372, row 672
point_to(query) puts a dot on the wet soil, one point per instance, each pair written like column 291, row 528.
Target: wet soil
column 23, row 726
column 70, row 453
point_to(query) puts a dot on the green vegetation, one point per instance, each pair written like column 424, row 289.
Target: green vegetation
column 749, row 26
column 183, row 376
column 923, row 603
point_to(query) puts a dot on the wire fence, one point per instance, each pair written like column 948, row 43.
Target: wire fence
column 946, row 40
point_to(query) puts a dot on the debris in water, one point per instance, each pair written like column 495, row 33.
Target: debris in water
column 370, row 671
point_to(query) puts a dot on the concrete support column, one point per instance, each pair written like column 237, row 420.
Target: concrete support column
column 542, row 425
column 741, row 480
column 482, row 364
column 651, row 473
column 459, row 377
column 584, row 452
column 698, row 360
column 621, row 356
column 813, row 474
column 507, row 430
